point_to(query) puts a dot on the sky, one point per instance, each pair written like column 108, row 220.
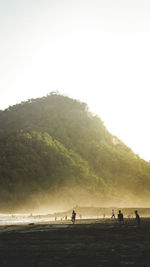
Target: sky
column 97, row 51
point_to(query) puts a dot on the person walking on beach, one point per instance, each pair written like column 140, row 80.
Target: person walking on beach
column 113, row 214
column 120, row 217
column 73, row 218
column 137, row 217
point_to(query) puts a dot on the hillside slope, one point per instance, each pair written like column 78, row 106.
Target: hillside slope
column 53, row 150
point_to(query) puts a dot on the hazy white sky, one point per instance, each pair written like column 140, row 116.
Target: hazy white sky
column 97, row 51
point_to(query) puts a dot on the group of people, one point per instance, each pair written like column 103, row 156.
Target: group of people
column 120, row 216
column 121, row 219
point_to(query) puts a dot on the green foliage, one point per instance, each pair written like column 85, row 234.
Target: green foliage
column 54, row 141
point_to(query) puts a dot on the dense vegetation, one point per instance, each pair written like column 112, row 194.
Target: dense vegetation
column 54, row 143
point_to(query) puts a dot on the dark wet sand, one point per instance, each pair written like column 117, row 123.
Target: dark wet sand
column 87, row 243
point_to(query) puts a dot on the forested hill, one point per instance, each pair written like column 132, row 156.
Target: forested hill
column 53, row 150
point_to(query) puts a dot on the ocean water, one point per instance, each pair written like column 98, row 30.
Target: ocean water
column 17, row 219
column 11, row 219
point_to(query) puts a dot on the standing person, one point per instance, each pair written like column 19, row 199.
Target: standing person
column 113, row 214
column 120, row 217
column 138, row 220
column 73, row 218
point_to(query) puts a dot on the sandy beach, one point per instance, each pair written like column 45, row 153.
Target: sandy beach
column 99, row 242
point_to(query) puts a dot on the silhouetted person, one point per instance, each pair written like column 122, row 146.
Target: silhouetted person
column 113, row 214
column 138, row 220
column 73, row 218
column 120, row 217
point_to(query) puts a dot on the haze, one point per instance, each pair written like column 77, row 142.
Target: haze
column 95, row 51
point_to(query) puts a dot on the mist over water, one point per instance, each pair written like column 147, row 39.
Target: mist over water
column 53, row 208
column 68, row 198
